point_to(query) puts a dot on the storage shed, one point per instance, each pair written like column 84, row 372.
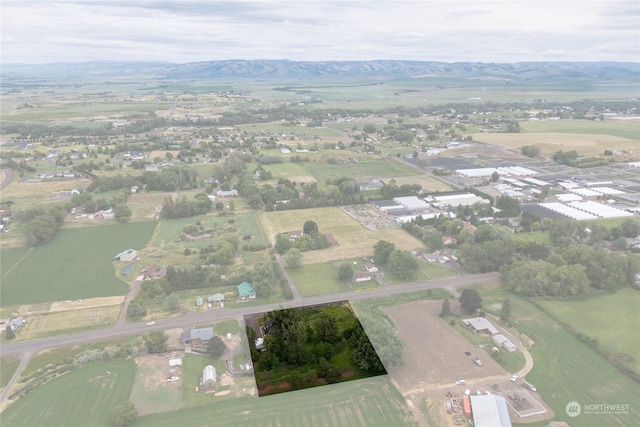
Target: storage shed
column 209, row 379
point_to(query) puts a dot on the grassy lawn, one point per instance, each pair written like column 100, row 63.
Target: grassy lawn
column 192, row 367
column 426, row 271
column 610, row 318
column 364, row 169
column 534, row 236
column 8, row 365
column 372, row 402
column 565, row 369
column 354, row 240
column 317, row 279
column 83, row 397
column 244, row 224
column 80, row 260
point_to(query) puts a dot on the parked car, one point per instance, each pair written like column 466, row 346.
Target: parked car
column 478, row 361
column 151, row 323
column 460, row 382
column 515, row 377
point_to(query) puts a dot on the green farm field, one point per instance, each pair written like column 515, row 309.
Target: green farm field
column 76, row 264
column 363, row 170
column 295, row 172
column 373, row 402
column 610, row 318
column 354, row 240
column 565, row 369
column 83, row 397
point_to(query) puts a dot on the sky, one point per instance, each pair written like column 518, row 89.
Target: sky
column 43, row 31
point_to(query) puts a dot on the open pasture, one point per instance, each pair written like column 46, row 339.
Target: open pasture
column 34, row 192
column 565, row 369
column 76, row 264
column 294, row 172
column 372, row 402
column 83, row 397
column 317, row 279
column 549, row 143
column 64, row 111
column 428, row 183
column 363, row 170
column 621, row 128
column 609, row 318
column 47, row 324
column 354, row 240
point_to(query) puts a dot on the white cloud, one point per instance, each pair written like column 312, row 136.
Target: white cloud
column 184, row 31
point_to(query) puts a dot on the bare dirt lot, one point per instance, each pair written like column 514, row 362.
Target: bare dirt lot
column 434, row 358
column 151, row 393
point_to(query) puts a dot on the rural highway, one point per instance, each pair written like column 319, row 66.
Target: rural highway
column 25, row 349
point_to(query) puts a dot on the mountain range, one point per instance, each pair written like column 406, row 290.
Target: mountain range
column 270, row 69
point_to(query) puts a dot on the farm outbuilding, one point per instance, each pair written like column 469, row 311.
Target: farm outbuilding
column 362, row 276
column 217, row 297
column 490, row 410
column 480, row 325
column 128, row 255
column 209, row 379
column 503, row 341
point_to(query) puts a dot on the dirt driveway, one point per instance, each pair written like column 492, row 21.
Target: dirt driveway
column 434, row 358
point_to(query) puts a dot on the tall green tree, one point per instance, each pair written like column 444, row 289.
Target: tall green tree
column 156, row 342
column 403, row 264
column 9, row 333
column 124, row 415
column 216, row 347
column 382, row 250
column 470, row 300
column 345, row 272
column 293, row 258
column 310, row 228
column 446, row 308
column 505, row 310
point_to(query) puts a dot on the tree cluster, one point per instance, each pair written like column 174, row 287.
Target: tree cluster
column 183, row 208
column 41, row 223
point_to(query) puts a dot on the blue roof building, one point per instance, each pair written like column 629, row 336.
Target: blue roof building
column 246, row 291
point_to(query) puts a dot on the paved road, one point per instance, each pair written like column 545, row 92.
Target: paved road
column 26, row 349
column 194, row 318
column 8, row 177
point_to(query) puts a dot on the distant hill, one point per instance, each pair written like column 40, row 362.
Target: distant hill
column 266, row 69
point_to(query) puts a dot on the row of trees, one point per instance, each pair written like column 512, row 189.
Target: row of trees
column 184, row 208
column 571, row 271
